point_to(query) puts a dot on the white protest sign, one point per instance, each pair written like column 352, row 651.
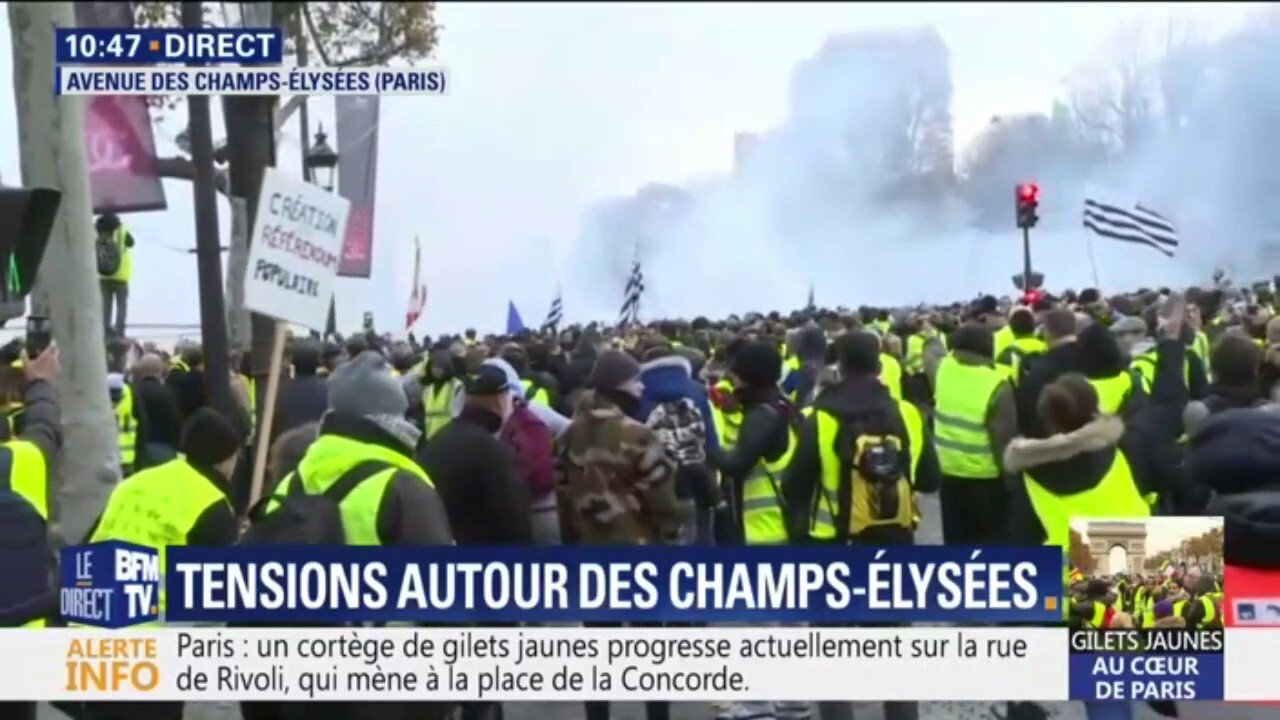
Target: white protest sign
column 296, row 244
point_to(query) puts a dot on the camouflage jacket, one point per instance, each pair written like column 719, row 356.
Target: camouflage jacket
column 615, row 484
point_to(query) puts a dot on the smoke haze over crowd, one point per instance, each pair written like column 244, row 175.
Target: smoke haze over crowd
column 878, row 175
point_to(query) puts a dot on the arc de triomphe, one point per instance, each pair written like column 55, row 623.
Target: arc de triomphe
column 1129, row 535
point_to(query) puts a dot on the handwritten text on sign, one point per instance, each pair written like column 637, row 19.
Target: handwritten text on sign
column 293, row 258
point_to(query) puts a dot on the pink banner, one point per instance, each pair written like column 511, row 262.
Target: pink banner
column 357, row 120
column 119, row 142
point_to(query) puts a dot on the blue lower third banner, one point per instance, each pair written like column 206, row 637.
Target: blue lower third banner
column 1146, row 676
column 838, row 585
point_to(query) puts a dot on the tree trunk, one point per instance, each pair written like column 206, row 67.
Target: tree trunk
column 53, row 155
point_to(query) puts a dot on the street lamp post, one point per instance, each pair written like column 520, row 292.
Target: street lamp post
column 320, row 163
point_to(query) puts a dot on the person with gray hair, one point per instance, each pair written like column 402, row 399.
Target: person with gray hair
column 159, row 418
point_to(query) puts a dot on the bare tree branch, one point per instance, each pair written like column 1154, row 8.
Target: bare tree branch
column 180, row 168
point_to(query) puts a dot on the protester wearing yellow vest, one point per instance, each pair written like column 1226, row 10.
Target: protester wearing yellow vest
column 1194, row 368
column 1017, row 341
column 439, row 385
column 30, row 452
column 815, row 487
column 181, row 502
column 114, row 279
column 537, row 386
column 126, row 424
column 26, row 458
column 975, row 417
column 1199, row 611
column 891, row 375
column 752, row 464
column 397, row 505
column 1088, row 466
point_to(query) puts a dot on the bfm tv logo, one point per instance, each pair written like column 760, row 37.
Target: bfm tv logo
column 110, row 584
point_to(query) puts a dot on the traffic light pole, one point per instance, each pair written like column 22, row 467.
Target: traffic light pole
column 1026, row 259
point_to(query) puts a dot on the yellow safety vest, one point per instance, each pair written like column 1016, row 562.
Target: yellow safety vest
column 158, row 507
column 29, row 478
column 126, row 427
column 125, row 271
column 1115, row 496
column 822, row 525
column 1145, row 366
column 762, row 518
column 789, row 365
column 1210, row 610
column 1201, row 347
column 891, row 374
column 251, row 386
column 1099, row 615
column 728, row 423
column 914, row 357
column 1018, row 350
column 960, row 432
column 437, row 405
column 328, row 459
column 1003, row 339
column 179, row 365
column 914, row 420
column 541, row 396
column 12, row 412
column 1113, row 391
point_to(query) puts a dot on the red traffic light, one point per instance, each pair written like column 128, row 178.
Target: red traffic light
column 1029, row 192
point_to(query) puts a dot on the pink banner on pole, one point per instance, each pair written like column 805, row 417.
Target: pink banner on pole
column 119, row 142
column 357, row 120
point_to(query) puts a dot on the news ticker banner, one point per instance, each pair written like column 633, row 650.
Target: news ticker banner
column 116, row 584
column 621, row 664
column 536, row 664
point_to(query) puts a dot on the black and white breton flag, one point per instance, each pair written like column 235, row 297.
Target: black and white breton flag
column 630, row 312
column 555, row 314
column 1139, row 225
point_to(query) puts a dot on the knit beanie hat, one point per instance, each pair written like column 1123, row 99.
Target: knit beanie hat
column 613, row 369
column 365, row 387
column 209, row 438
column 757, row 364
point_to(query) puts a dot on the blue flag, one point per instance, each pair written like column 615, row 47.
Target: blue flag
column 514, row 323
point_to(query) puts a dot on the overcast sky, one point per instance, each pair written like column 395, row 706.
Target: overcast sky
column 553, row 106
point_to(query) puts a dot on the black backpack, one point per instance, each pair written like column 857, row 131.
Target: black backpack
column 108, row 251
column 28, row 591
column 303, row 519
